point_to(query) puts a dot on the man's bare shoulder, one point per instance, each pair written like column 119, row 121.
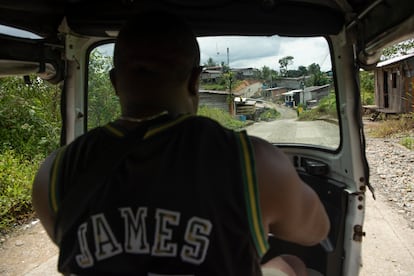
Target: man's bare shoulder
column 267, row 153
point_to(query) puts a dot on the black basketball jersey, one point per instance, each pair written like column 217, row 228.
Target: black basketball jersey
column 175, row 196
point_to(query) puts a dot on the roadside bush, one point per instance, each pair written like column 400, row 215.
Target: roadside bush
column 367, row 87
column 29, row 130
column 326, row 108
column 103, row 103
column 29, row 117
column 407, row 142
column 269, row 114
column 16, row 177
column 221, row 116
column 389, row 128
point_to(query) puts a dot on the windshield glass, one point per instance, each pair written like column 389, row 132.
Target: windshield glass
column 17, row 32
column 278, row 88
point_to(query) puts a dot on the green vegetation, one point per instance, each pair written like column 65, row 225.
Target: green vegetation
column 284, row 62
column 29, row 130
column 222, row 84
column 269, row 114
column 221, row 116
column 408, row 142
column 213, row 86
column 16, row 177
column 103, row 104
column 326, row 109
column 402, row 127
column 366, row 79
column 29, row 117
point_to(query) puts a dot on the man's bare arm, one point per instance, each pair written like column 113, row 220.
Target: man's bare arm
column 40, row 196
column 291, row 210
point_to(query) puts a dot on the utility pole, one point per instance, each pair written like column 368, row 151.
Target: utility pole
column 231, row 101
column 228, row 59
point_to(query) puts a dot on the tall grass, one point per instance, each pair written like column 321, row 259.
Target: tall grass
column 326, row 109
column 401, row 128
column 221, row 116
column 16, row 177
column 392, row 127
column 29, row 130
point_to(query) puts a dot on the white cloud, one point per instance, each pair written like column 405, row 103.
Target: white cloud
column 265, row 51
column 257, row 52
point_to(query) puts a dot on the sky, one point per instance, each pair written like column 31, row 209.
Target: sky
column 17, row 32
column 257, row 52
column 245, row 52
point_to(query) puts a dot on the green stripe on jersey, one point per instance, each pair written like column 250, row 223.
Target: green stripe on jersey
column 251, row 194
column 114, row 131
column 54, row 178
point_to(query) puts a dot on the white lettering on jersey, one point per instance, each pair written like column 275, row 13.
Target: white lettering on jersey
column 196, row 235
column 193, row 250
column 106, row 244
column 84, row 259
column 135, row 230
column 163, row 234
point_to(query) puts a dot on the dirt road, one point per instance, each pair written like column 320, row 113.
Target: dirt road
column 388, row 247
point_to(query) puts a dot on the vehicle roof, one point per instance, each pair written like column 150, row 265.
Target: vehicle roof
column 379, row 23
column 208, row 17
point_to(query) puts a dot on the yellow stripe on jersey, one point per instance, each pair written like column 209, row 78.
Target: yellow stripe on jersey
column 114, row 131
column 53, row 189
column 157, row 129
column 252, row 195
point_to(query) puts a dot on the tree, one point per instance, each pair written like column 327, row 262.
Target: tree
column 366, row 80
column 317, row 77
column 284, row 62
column 314, row 68
column 294, row 73
column 399, row 49
column 265, row 73
column 268, row 76
column 225, row 67
column 303, row 70
column 210, row 63
column 29, row 116
column 103, row 104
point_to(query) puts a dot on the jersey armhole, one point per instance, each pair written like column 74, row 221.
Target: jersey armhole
column 54, row 183
column 251, row 193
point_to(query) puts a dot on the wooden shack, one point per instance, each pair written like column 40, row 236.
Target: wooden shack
column 394, row 83
column 214, row 99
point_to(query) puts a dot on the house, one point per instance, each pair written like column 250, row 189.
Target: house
column 220, row 100
column 210, row 75
column 245, row 73
column 245, row 106
column 394, row 82
column 313, row 94
column 214, row 99
column 274, row 93
column 292, row 83
column 309, row 97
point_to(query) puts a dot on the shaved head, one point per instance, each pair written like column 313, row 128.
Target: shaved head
column 163, row 38
column 157, row 64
